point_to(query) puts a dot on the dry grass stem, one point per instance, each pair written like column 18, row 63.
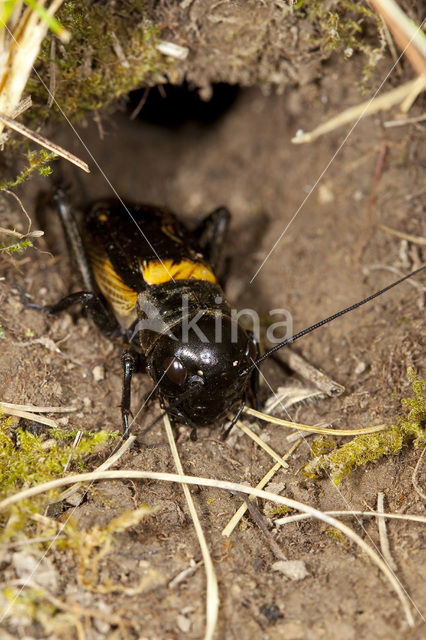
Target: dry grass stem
column 408, row 36
column 44, row 142
column 305, row 427
column 396, row 96
column 353, row 514
column 28, row 415
column 36, row 409
column 274, row 455
column 229, row 486
column 414, row 476
column 383, row 535
column 411, row 282
column 20, row 42
column 404, row 121
column 212, row 596
column 183, row 575
column 403, row 235
column 264, row 481
column 24, row 104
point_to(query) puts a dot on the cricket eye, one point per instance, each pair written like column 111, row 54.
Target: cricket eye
column 175, row 371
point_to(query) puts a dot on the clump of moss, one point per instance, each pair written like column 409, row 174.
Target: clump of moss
column 344, row 25
column 16, row 247
column 337, row 535
column 113, row 49
column 322, row 445
column 271, row 510
column 28, row 459
column 37, row 161
column 371, row 447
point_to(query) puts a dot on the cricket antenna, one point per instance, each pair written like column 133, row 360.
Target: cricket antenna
column 329, row 319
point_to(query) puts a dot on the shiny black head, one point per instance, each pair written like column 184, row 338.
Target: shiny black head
column 201, row 372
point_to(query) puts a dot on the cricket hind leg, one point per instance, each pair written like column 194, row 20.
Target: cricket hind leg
column 211, row 234
column 101, row 314
column 73, row 238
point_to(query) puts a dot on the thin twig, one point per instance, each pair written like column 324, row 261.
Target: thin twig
column 212, row 598
column 140, row 104
column 414, row 476
column 44, row 142
column 260, row 522
column 384, row 540
column 76, row 442
column 412, row 282
column 183, row 575
column 301, row 366
column 24, row 211
column 24, row 104
column 403, row 235
column 404, row 121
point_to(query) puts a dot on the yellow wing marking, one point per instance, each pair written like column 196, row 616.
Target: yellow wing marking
column 121, row 297
column 157, row 273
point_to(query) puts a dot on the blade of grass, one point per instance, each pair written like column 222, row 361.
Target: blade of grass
column 60, row 32
column 212, row 597
column 304, row 427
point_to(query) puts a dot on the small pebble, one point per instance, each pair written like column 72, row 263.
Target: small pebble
column 183, row 623
column 360, row 368
column 98, row 373
column 292, row 569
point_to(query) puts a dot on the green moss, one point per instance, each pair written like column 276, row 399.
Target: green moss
column 271, row 510
column 27, row 459
column 322, row 445
column 337, row 535
column 113, row 49
column 348, row 26
column 36, row 161
column 16, row 247
column 410, row 429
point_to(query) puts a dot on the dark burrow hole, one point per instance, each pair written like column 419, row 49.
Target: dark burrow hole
column 174, row 105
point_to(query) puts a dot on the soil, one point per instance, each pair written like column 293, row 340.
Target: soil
column 318, row 207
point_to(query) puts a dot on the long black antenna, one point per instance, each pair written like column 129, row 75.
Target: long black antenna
column 326, row 320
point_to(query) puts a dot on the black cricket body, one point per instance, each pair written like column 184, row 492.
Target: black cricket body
column 150, row 280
